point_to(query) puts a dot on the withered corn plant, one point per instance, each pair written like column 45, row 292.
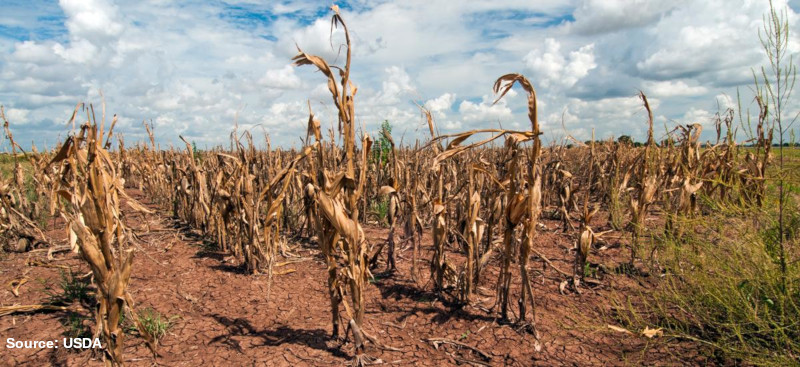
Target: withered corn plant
column 683, row 178
column 18, row 228
column 336, row 198
column 534, row 193
column 392, row 192
column 92, row 188
column 614, row 177
column 412, row 224
column 754, row 181
column 472, row 232
column 647, row 170
column 18, row 176
column 441, row 272
column 587, row 236
column 719, row 162
column 566, row 197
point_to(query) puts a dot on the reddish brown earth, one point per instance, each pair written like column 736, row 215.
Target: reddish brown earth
column 224, row 318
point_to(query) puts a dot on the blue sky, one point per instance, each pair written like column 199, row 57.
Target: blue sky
column 198, row 68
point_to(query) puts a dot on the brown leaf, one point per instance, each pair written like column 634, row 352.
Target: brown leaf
column 336, row 215
column 386, row 190
column 652, row 333
column 63, row 152
column 438, row 208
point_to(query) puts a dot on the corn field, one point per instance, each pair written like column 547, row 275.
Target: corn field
column 468, row 213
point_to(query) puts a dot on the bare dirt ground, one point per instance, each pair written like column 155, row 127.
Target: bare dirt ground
column 222, row 317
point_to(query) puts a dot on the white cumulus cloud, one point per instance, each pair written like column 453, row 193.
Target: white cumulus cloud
column 553, row 68
column 283, row 78
column 670, row 88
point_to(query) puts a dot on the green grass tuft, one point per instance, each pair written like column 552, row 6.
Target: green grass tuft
column 72, row 290
column 154, row 323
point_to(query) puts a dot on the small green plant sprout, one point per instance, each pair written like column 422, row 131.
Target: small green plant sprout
column 74, row 326
column 73, row 290
column 154, row 324
column 381, row 209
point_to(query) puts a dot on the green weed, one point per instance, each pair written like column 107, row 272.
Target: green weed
column 74, row 326
column 72, row 290
column 154, row 323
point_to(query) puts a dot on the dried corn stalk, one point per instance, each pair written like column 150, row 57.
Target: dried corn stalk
column 647, row 170
column 393, row 193
column 587, row 236
column 92, row 188
column 534, row 188
column 336, row 201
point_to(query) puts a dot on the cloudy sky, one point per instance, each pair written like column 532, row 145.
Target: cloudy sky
column 198, row 67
